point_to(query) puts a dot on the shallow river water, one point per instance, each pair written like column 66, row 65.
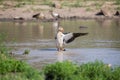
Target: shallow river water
column 102, row 42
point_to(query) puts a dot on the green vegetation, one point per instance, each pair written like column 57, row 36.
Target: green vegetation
column 118, row 8
column 12, row 69
column 3, row 49
column 1, row 0
column 60, row 71
column 89, row 71
column 118, row 2
column 27, row 51
column 77, row 4
column 69, row 3
column 47, row 2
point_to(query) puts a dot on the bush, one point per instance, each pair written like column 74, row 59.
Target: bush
column 12, row 65
column 12, row 69
column 95, row 71
column 90, row 71
column 60, row 71
column 116, row 73
column 17, row 70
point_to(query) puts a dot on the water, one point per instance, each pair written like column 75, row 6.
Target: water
column 102, row 42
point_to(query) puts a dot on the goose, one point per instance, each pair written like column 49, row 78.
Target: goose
column 54, row 14
column 39, row 16
column 62, row 39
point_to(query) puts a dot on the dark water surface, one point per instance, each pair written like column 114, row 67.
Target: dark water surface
column 102, row 42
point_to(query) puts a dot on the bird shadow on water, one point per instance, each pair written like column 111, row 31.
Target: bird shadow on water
column 60, row 56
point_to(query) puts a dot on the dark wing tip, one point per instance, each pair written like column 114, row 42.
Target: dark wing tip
column 79, row 34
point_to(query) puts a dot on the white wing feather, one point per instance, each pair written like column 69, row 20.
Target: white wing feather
column 67, row 37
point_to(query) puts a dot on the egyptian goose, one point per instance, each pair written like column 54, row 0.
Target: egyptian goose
column 62, row 39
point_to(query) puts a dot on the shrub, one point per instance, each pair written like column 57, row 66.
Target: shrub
column 116, row 73
column 27, row 51
column 12, row 69
column 94, row 71
column 17, row 70
column 60, row 71
column 90, row 71
column 33, row 74
column 12, row 65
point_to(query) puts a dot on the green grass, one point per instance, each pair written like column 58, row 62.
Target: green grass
column 76, row 3
column 118, row 8
column 47, row 2
column 117, row 2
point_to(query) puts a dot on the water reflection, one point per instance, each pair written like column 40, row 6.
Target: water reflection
column 20, row 23
column 56, row 25
column 39, row 30
column 60, row 56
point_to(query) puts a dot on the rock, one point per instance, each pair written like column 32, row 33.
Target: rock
column 117, row 13
column 18, row 18
column 39, row 16
column 100, row 13
column 104, row 12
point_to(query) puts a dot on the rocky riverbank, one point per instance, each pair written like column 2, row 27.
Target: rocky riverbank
column 90, row 10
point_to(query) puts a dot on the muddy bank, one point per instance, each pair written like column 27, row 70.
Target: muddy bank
column 88, row 11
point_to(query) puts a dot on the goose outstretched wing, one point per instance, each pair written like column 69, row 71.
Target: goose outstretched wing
column 71, row 36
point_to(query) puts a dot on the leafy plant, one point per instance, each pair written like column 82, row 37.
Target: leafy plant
column 90, row 71
column 95, row 71
column 12, row 65
column 23, row 71
column 116, row 73
column 13, row 69
column 60, row 71
column 27, row 51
